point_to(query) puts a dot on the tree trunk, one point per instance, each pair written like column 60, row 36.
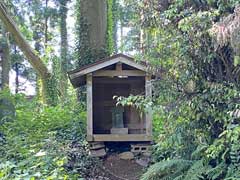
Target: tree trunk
column 141, row 33
column 46, row 16
column 91, row 30
column 16, row 68
column 5, row 57
column 64, row 49
column 37, row 48
column 121, row 35
column 92, row 33
column 33, row 58
column 110, row 25
column 16, row 78
column 115, row 25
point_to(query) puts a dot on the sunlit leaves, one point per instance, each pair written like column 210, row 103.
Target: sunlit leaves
column 37, row 142
column 227, row 31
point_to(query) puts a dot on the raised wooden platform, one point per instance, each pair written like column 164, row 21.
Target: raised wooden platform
column 119, row 137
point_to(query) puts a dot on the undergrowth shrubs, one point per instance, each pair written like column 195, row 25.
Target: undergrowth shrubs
column 200, row 136
column 43, row 142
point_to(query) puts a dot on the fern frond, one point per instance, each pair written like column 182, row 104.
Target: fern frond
column 199, row 151
column 181, row 177
column 196, row 171
column 167, row 170
column 216, row 172
column 233, row 173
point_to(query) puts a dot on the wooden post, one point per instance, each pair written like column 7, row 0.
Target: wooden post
column 148, row 94
column 89, row 108
column 119, row 67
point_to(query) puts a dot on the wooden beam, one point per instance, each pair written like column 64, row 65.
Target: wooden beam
column 133, row 64
column 121, row 137
column 119, row 67
column 113, row 73
column 89, row 108
column 148, row 94
column 108, row 63
column 107, row 80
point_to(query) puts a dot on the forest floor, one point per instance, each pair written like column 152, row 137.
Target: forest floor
column 115, row 168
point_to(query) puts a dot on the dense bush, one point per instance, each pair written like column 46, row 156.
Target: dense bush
column 200, row 138
column 43, row 142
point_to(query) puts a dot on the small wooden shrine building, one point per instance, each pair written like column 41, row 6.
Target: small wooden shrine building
column 118, row 75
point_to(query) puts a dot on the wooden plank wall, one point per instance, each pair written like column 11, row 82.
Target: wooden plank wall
column 103, row 90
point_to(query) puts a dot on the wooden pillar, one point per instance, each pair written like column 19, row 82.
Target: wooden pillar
column 89, row 108
column 148, row 94
column 119, row 67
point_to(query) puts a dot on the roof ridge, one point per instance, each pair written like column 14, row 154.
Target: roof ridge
column 99, row 61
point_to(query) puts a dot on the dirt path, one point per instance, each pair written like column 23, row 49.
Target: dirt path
column 123, row 169
column 114, row 168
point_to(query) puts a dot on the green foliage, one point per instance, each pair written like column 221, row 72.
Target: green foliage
column 172, row 169
column 141, row 103
column 196, row 100
column 44, row 142
column 195, row 103
column 196, row 171
column 7, row 109
column 51, row 88
column 203, row 128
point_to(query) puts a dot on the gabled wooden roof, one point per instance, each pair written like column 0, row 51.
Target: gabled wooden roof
column 78, row 76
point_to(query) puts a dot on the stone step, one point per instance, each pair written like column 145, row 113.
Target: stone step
column 126, row 155
column 96, row 145
column 98, row 153
column 143, row 161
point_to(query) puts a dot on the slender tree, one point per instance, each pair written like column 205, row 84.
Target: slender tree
column 42, row 20
column 63, row 10
column 5, row 57
column 33, row 58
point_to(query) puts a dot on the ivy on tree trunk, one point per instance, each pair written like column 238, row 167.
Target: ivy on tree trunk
column 64, row 48
column 91, row 30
